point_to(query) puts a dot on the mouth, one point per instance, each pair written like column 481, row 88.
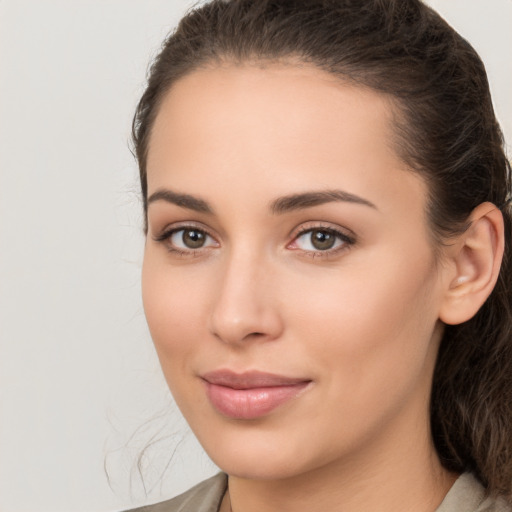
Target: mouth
column 250, row 395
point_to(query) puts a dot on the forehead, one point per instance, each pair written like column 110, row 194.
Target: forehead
column 279, row 126
column 277, row 101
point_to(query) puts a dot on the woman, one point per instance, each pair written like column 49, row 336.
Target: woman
column 327, row 266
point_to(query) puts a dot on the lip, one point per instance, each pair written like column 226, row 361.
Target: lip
column 250, row 395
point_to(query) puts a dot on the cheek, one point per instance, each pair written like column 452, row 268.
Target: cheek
column 174, row 309
column 372, row 327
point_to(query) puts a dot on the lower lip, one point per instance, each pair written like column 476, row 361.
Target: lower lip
column 248, row 404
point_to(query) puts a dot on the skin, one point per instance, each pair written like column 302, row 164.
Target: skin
column 361, row 321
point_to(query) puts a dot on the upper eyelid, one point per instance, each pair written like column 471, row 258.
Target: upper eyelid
column 346, row 239
column 305, row 227
column 177, row 226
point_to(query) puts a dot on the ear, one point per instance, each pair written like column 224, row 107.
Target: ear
column 473, row 265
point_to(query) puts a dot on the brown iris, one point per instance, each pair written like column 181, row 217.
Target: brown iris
column 322, row 239
column 193, row 238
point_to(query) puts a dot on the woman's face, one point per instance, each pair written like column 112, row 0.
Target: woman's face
column 289, row 281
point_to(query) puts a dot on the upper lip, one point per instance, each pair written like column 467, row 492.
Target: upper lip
column 250, row 379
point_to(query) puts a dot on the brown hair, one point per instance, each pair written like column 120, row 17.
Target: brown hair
column 445, row 129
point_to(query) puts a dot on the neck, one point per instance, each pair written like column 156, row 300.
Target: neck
column 391, row 474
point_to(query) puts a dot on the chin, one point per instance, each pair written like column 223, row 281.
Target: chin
column 264, row 468
column 263, row 456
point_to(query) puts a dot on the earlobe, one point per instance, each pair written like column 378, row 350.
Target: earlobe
column 475, row 264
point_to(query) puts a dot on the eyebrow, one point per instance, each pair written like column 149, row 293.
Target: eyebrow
column 277, row 206
column 183, row 200
column 309, row 199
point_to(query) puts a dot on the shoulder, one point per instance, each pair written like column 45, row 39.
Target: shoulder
column 468, row 495
column 203, row 497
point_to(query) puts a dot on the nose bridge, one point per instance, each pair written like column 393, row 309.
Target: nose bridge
column 244, row 305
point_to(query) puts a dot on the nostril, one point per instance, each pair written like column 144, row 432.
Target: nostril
column 253, row 335
column 240, row 314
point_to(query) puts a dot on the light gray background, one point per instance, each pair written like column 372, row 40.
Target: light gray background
column 80, row 387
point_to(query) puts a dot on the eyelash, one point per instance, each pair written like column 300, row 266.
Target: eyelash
column 346, row 240
column 165, row 236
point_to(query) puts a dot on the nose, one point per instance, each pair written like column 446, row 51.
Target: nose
column 245, row 306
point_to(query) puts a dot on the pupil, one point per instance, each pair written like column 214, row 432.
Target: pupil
column 193, row 239
column 322, row 240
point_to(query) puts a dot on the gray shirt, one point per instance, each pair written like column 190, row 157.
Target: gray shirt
column 466, row 495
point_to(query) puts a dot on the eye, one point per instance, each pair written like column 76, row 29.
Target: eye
column 189, row 238
column 186, row 239
column 321, row 239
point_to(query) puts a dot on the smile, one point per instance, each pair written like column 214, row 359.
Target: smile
column 250, row 395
